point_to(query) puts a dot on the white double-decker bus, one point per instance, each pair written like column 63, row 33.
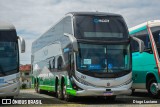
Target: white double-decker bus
column 9, row 60
column 84, row 54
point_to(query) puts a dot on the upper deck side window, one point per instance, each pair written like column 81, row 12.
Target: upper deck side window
column 54, row 34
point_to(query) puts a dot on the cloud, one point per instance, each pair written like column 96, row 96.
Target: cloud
column 32, row 18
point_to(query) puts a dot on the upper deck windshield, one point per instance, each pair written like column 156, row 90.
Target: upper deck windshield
column 156, row 36
column 103, row 58
column 8, row 52
column 100, row 27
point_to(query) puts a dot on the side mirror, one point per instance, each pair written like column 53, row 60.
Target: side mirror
column 22, row 43
column 140, row 43
column 73, row 41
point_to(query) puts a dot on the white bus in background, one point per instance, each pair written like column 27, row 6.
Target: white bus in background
column 9, row 60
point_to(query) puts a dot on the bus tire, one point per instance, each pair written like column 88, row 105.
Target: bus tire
column 59, row 92
column 39, row 90
column 152, row 88
column 66, row 96
column 133, row 91
column 36, row 87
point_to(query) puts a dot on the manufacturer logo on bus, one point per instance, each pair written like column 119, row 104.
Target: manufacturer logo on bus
column 108, row 84
column 101, row 21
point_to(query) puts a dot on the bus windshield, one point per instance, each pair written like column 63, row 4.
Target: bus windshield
column 8, row 52
column 100, row 27
column 156, row 36
column 8, row 56
column 103, row 58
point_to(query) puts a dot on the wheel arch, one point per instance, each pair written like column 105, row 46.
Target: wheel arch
column 56, row 83
column 63, row 80
column 148, row 77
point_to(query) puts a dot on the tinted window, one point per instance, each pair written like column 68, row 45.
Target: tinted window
column 53, row 63
column 156, row 36
column 103, row 58
column 60, row 63
column 100, row 27
column 49, row 37
column 8, row 57
column 8, row 36
column 134, row 46
column 143, row 35
column 67, row 25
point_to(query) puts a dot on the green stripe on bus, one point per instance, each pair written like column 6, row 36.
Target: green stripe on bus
column 71, row 92
column 137, row 30
column 46, row 87
column 32, row 85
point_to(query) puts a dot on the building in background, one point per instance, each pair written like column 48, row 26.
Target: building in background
column 25, row 75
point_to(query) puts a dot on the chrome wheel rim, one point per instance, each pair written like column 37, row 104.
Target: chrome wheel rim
column 154, row 88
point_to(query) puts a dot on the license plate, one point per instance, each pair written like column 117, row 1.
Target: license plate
column 108, row 93
column 1, row 80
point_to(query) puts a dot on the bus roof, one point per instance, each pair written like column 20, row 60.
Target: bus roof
column 81, row 13
column 6, row 25
column 93, row 13
column 143, row 26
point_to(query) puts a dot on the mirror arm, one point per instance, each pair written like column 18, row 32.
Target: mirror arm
column 73, row 41
column 141, row 44
column 22, row 42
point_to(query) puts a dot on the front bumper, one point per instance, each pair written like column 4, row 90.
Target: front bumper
column 9, row 89
column 101, row 91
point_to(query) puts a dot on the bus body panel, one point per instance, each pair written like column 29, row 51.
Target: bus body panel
column 50, row 75
column 99, row 86
column 144, row 64
column 10, row 85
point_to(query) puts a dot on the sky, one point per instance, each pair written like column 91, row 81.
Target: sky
column 33, row 17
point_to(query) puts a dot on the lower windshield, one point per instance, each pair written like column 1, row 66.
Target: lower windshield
column 103, row 58
column 8, row 57
column 156, row 36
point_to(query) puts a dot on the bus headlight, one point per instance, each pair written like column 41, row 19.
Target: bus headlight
column 12, row 81
column 127, row 82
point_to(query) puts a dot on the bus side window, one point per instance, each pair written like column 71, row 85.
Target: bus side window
column 60, row 63
column 49, row 64
column 53, row 63
column 67, row 25
column 71, row 62
column 134, row 46
column 144, row 36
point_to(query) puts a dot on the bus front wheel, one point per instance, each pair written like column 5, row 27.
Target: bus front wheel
column 153, row 88
column 66, row 96
column 36, row 87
